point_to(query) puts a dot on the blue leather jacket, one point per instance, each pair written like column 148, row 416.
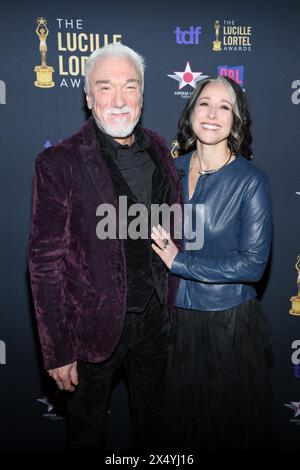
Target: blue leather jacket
column 237, row 236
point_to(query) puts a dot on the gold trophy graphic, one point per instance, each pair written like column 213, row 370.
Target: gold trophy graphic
column 43, row 71
column 175, row 149
column 295, row 310
column 217, row 43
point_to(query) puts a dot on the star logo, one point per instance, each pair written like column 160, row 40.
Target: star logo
column 46, row 402
column 187, row 77
column 295, row 406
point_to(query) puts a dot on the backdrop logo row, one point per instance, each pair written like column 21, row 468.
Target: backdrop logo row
column 74, row 45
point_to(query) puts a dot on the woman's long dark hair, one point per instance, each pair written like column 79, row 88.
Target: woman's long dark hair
column 239, row 140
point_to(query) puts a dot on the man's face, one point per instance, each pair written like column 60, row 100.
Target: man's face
column 115, row 97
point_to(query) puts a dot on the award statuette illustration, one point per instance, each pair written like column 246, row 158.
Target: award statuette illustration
column 295, row 310
column 43, row 71
column 175, row 149
column 217, row 43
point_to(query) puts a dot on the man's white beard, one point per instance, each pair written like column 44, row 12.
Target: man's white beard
column 118, row 130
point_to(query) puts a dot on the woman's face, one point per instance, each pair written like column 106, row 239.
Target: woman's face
column 212, row 117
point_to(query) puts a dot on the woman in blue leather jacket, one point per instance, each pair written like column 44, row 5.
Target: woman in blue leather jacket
column 219, row 395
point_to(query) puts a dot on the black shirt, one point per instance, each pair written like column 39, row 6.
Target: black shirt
column 134, row 163
column 131, row 168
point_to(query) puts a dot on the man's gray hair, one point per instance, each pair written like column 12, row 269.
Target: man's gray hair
column 114, row 50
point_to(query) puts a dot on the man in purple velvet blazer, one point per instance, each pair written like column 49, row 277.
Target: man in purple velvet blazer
column 102, row 303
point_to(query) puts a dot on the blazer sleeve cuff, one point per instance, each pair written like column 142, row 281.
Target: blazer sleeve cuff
column 179, row 265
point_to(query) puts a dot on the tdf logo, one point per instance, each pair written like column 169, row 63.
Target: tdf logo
column 296, row 94
column 191, row 36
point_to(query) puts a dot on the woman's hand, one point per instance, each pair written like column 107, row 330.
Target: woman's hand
column 164, row 246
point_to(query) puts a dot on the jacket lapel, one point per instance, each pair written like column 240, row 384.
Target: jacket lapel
column 96, row 169
column 96, row 166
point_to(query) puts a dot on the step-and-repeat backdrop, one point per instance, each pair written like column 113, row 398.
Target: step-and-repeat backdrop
column 255, row 44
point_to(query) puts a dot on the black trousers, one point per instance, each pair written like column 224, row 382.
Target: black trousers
column 142, row 350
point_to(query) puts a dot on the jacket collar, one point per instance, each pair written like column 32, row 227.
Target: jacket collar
column 96, row 165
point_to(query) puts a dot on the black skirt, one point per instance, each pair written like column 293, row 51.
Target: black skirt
column 217, row 379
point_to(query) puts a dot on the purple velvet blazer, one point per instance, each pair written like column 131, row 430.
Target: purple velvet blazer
column 79, row 281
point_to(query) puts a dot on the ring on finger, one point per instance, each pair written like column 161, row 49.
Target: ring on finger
column 165, row 243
